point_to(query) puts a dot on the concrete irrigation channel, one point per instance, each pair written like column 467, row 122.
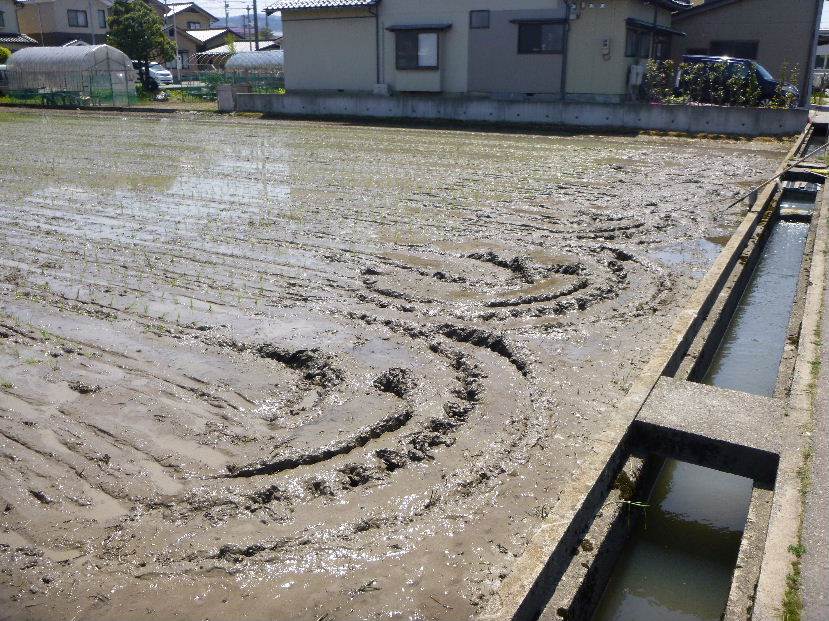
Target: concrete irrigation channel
column 257, row 369
column 696, row 511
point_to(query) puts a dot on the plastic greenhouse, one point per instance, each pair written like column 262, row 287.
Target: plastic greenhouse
column 271, row 61
column 97, row 75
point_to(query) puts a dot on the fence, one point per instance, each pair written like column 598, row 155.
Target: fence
column 82, row 88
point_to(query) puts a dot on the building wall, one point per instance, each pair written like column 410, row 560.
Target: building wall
column 590, row 72
column 52, row 20
column 460, row 62
column 337, row 50
column 9, row 16
column 784, row 31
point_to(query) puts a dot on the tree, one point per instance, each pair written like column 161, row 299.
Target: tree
column 266, row 34
column 136, row 30
column 231, row 42
column 4, row 55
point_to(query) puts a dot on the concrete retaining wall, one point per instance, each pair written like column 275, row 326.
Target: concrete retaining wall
column 674, row 118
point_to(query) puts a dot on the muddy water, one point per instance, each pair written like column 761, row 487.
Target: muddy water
column 678, row 563
column 749, row 356
column 250, row 367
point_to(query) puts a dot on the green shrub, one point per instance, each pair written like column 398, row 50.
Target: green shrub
column 4, row 55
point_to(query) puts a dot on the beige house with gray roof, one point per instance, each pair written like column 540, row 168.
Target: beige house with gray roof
column 517, row 49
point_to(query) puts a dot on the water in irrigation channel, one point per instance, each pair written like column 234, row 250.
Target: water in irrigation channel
column 679, row 562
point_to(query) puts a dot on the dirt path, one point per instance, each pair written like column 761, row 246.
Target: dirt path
column 256, row 370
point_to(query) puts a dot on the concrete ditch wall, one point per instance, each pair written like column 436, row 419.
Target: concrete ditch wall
column 673, row 118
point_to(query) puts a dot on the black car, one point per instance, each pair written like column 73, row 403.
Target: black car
column 769, row 87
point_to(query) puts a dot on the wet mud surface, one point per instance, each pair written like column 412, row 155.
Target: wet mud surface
column 263, row 370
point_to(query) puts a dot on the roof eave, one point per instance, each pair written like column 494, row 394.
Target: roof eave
column 314, row 5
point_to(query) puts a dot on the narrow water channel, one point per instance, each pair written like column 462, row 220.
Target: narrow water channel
column 678, row 563
column 749, row 356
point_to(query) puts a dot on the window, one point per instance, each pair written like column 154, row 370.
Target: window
column 540, row 38
column 661, row 46
column 2, row 19
column 193, row 25
column 638, row 43
column 102, row 18
column 479, row 19
column 184, row 57
column 820, row 62
column 77, row 19
column 735, row 49
column 416, row 49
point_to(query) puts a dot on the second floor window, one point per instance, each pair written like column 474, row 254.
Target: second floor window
column 2, row 19
column 540, row 38
column 102, row 18
column 193, row 26
column 77, row 19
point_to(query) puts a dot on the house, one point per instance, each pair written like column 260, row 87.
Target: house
column 55, row 22
column 211, row 37
column 10, row 35
column 182, row 18
column 557, row 49
column 775, row 33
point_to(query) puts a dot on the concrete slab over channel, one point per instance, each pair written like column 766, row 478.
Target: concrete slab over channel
column 731, row 431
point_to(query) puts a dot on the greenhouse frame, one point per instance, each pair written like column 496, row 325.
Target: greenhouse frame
column 85, row 75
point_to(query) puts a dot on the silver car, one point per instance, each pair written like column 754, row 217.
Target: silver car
column 160, row 74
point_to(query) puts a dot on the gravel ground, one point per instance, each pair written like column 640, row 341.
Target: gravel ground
column 254, row 369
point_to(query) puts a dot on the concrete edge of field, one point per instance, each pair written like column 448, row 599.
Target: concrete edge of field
column 691, row 119
column 784, row 532
column 816, row 519
column 151, row 109
column 523, row 593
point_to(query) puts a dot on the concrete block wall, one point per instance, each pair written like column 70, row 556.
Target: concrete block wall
column 609, row 116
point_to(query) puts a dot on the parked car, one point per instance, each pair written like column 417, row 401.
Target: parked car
column 4, row 80
column 158, row 72
column 161, row 74
column 743, row 67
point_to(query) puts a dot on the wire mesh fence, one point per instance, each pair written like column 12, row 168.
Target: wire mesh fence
column 79, row 88
column 200, row 80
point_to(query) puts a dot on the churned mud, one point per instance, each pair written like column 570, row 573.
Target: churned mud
column 268, row 370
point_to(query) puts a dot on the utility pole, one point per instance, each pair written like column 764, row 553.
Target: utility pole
column 178, row 58
column 247, row 23
column 255, row 26
column 227, row 16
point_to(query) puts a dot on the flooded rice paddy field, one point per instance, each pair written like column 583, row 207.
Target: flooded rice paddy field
column 258, row 369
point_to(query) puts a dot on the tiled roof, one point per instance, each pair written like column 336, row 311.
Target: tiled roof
column 16, row 38
column 319, row 4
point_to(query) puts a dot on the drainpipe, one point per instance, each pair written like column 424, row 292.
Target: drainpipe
column 91, row 21
column 376, row 11
column 564, row 54
column 806, row 95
